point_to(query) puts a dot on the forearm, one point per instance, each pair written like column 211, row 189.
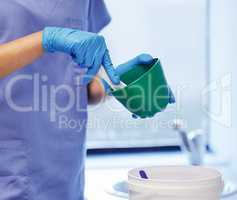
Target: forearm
column 19, row 53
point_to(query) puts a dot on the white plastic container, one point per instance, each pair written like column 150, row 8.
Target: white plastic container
column 175, row 183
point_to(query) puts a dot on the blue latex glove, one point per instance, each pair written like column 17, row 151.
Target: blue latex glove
column 87, row 49
column 125, row 67
column 145, row 59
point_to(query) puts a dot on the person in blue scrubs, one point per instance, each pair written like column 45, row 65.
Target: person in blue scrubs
column 39, row 158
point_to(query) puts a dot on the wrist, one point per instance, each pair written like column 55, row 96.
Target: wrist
column 53, row 39
column 47, row 39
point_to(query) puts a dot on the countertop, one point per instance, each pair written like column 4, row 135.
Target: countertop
column 103, row 171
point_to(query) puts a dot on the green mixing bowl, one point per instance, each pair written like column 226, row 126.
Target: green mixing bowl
column 146, row 92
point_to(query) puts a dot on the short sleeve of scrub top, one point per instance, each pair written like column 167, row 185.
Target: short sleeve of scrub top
column 98, row 20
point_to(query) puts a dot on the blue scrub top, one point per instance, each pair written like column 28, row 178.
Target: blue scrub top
column 42, row 150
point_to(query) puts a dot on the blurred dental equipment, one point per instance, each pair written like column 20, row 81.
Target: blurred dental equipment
column 193, row 144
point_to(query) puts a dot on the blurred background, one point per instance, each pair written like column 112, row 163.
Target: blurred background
column 176, row 31
column 196, row 41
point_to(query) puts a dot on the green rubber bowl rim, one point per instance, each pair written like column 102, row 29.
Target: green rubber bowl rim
column 155, row 62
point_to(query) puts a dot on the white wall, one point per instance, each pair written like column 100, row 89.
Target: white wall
column 224, row 62
column 174, row 31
